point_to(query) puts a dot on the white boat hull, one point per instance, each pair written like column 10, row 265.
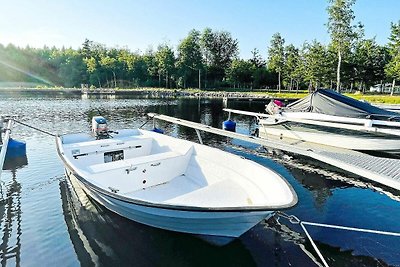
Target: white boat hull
column 355, row 142
column 174, row 184
column 224, row 224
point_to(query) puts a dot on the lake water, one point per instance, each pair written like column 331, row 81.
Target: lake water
column 45, row 222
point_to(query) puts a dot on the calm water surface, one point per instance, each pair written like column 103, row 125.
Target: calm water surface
column 45, row 222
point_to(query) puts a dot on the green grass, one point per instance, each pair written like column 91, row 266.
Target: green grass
column 381, row 99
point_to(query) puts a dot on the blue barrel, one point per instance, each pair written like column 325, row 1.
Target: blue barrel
column 158, row 130
column 15, row 149
column 229, row 125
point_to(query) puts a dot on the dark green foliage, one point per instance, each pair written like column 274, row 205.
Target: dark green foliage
column 190, row 60
column 393, row 67
column 276, row 56
column 208, row 59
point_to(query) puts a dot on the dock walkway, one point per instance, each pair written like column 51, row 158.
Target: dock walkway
column 381, row 170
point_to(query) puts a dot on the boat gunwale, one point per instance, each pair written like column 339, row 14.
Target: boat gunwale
column 118, row 197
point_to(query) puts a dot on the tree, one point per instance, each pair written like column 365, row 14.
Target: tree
column 276, row 56
column 70, row 67
column 152, row 68
column 190, row 59
column 315, row 64
column 392, row 69
column 292, row 62
column 166, row 62
column 240, row 72
column 256, row 59
column 260, row 73
column 341, row 30
column 369, row 60
column 92, row 62
column 108, row 63
column 219, row 50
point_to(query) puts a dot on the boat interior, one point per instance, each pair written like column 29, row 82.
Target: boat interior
column 155, row 168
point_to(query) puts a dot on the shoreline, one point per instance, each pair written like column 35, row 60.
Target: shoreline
column 230, row 94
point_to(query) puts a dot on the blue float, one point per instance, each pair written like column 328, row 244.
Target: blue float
column 158, row 130
column 229, row 125
column 15, row 149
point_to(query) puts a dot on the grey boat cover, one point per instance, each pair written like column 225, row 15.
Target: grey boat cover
column 332, row 103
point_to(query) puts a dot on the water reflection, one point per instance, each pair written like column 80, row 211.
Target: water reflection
column 10, row 214
column 101, row 237
column 335, row 256
column 326, row 195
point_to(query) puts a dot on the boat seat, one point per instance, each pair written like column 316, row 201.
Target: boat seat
column 140, row 172
column 232, row 195
column 127, row 163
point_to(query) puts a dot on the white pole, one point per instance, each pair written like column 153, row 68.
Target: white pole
column 5, row 144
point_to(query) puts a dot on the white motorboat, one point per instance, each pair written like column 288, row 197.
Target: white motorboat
column 173, row 184
column 329, row 118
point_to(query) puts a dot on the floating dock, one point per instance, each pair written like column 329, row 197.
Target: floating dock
column 385, row 171
column 98, row 91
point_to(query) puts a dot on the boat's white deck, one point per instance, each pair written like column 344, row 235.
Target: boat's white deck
column 162, row 170
column 183, row 190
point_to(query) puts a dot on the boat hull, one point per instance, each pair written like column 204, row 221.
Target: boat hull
column 218, row 227
column 353, row 142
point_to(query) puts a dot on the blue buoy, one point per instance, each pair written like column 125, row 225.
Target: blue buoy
column 158, row 130
column 15, row 149
column 229, row 125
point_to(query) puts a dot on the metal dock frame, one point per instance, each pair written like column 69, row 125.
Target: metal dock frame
column 385, row 171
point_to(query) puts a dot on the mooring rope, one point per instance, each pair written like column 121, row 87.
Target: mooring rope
column 352, row 229
column 35, row 128
column 295, row 220
column 141, row 126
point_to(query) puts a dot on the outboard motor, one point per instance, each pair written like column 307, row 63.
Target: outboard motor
column 99, row 127
column 274, row 107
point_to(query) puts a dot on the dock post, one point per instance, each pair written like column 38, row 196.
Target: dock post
column 225, row 101
column 199, row 136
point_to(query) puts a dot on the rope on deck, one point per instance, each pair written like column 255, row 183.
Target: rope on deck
column 295, row 220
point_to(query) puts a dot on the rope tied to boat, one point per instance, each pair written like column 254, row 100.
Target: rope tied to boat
column 35, row 128
column 295, row 220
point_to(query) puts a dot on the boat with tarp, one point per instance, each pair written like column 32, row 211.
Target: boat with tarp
column 329, row 118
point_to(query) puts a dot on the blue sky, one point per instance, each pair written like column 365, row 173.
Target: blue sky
column 138, row 24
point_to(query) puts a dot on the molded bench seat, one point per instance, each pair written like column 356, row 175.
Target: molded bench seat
column 127, row 163
column 106, row 144
column 225, row 193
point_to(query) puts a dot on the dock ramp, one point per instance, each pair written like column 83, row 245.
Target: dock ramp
column 385, row 171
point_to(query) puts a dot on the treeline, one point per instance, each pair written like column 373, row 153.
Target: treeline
column 200, row 59
column 209, row 59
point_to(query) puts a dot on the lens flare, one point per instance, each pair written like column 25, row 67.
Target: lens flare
column 26, row 73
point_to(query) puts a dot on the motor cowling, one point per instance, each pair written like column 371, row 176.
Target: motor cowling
column 99, row 126
column 274, row 107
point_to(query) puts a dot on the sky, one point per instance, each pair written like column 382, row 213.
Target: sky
column 141, row 24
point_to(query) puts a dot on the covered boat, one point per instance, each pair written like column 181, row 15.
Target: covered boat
column 174, row 184
column 330, row 118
